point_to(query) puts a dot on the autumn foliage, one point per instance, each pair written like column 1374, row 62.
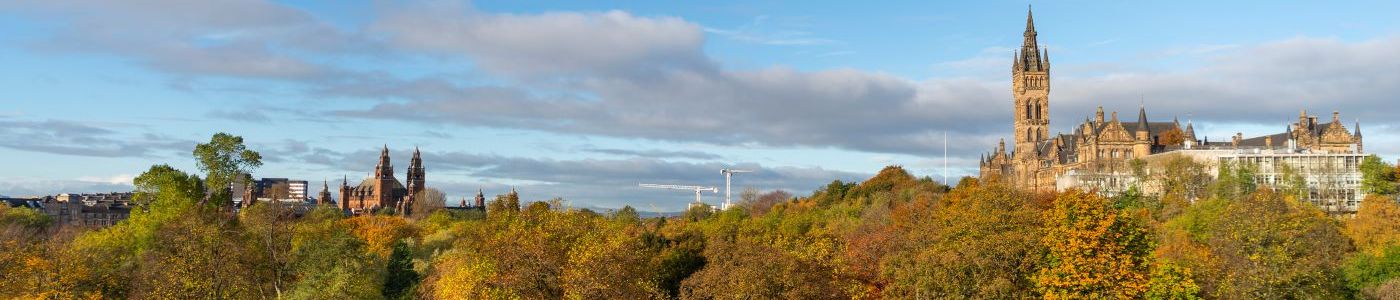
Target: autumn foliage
column 893, row 236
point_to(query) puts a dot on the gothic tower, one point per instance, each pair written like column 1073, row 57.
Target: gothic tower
column 384, row 178
column 1030, row 86
column 415, row 174
column 325, row 197
column 415, row 183
column 345, row 193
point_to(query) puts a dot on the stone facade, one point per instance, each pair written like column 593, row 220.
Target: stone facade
column 382, row 190
column 1103, row 147
column 84, row 210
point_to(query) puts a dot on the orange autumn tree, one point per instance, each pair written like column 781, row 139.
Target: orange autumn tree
column 379, row 232
column 1093, row 250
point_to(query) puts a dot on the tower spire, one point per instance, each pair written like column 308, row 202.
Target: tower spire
column 1030, row 20
column 385, row 168
column 1142, row 117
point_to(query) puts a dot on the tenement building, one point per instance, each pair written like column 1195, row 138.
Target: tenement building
column 1098, row 152
column 382, row 190
column 85, row 210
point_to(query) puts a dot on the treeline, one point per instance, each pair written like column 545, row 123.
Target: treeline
column 892, row 236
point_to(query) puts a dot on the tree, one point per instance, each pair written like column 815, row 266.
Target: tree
column 626, row 215
column 162, row 182
column 195, row 259
column 1236, row 180
column 1376, row 225
column 761, row 204
column 399, row 277
column 427, row 201
column 330, row 262
column 267, row 230
column 1261, row 246
column 981, row 240
column 1377, row 176
column 752, row 269
column 1171, row 137
column 223, row 160
column 1367, row 272
column 1093, row 250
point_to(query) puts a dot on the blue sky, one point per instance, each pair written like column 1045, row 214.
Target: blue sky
column 585, row 100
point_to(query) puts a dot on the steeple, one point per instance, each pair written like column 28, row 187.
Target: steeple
column 1142, row 118
column 1031, row 57
column 1030, row 31
column 325, row 197
column 384, row 168
column 1190, row 131
column 1358, row 129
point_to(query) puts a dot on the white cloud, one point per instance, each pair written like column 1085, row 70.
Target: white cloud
column 547, row 44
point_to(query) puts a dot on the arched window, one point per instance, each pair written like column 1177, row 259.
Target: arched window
column 1038, row 111
column 1028, row 111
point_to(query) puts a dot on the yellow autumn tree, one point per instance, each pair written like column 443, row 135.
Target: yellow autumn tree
column 379, row 232
column 1376, row 226
column 1093, row 251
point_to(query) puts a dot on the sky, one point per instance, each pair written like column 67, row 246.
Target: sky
column 585, row 100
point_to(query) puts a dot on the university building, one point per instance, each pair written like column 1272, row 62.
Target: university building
column 1098, row 152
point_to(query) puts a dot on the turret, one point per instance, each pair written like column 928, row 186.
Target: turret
column 1190, row 133
column 1142, row 129
column 1357, row 137
column 384, row 168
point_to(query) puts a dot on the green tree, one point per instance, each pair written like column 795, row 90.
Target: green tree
column 400, row 278
column 626, row 215
column 1365, row 271
column 1262, row 246
column 1377, row 176
column 1235, row 181
column 329, row 262
column 223, row 159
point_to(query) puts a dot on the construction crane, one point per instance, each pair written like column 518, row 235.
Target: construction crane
column 697, row 189
column 729, row 173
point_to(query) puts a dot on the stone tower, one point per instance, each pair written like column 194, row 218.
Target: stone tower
column 415, row 182
column 1030, row 86
column 415, row 174
column 325, row 197
column 384, row 182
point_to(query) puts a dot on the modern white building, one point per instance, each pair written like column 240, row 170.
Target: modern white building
column 1332, row 180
